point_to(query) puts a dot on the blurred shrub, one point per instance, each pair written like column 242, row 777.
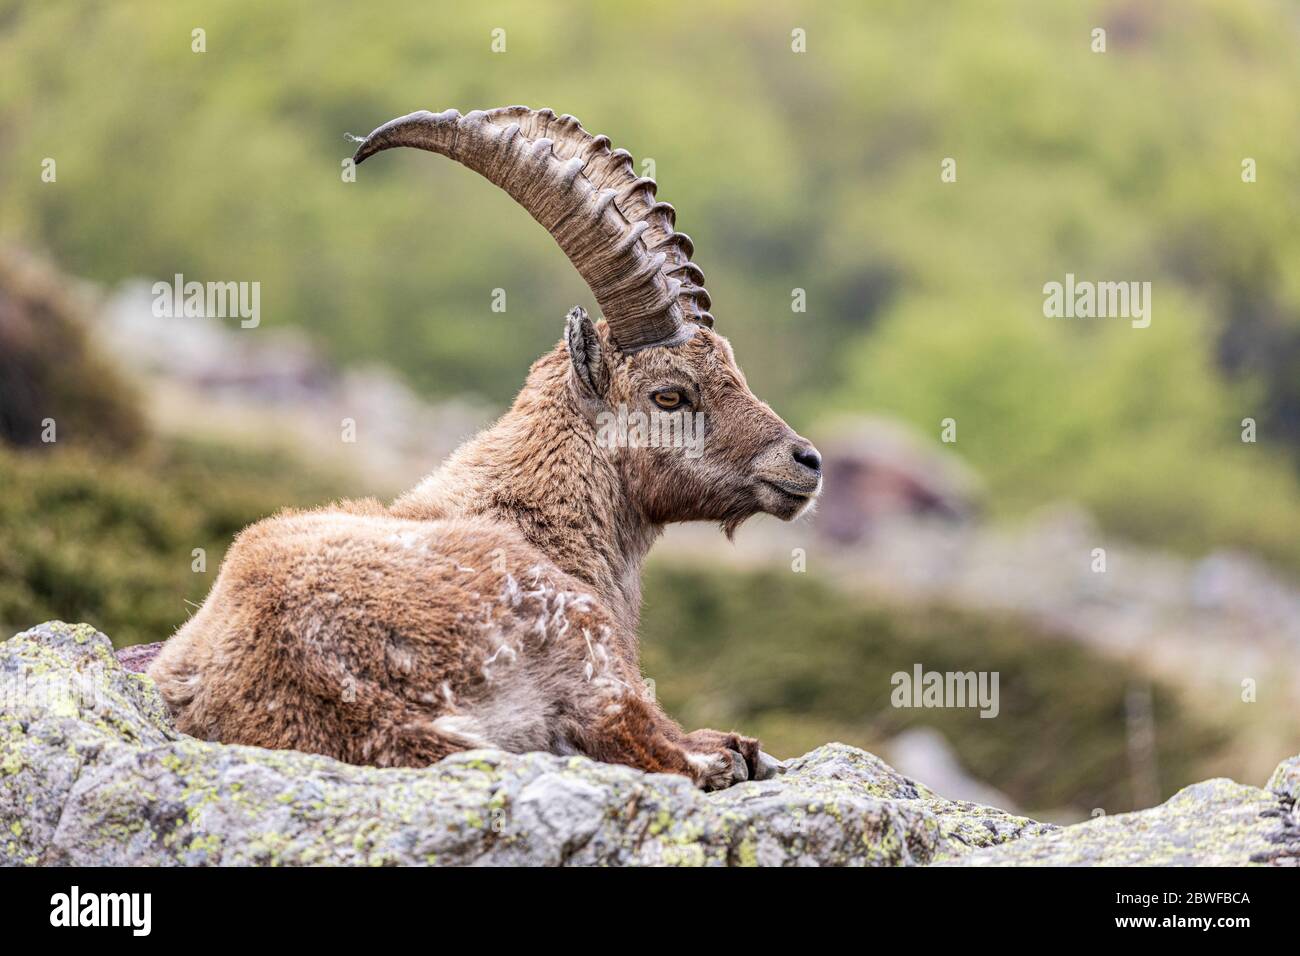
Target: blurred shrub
column 798, row 663
column 1134, row 423
column 48, row 369
column 816, row 171
column 112, row 543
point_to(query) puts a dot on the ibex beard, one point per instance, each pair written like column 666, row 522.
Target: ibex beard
column 497, row 603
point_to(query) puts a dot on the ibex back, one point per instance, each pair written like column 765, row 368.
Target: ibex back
column 497, row 603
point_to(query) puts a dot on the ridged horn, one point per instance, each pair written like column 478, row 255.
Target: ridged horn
column 588, row 198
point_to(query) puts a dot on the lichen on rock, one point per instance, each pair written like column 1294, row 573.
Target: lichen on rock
column 1212, row 823
column 92, row 772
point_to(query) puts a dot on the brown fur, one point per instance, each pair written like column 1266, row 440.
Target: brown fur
column 497, row 603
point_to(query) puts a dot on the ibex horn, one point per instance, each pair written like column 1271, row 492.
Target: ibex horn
column 588, row 197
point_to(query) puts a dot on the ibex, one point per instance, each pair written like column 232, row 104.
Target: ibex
column 497, row 603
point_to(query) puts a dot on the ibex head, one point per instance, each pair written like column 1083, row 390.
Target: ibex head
column 720, row 453
column 654, row 366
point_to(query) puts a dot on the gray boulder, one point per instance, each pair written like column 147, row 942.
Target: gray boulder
column 92, row 772
column 1213, row 823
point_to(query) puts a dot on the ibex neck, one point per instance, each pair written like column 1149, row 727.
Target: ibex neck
column 539, row 468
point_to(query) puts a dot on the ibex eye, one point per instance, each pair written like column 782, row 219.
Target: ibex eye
column 667, row 399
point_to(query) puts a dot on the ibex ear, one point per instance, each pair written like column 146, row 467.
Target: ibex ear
column 589, row 369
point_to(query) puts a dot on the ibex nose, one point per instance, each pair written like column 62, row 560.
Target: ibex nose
column 806, row 455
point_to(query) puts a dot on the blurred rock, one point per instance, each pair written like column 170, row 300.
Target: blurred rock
column 275, row 387
column 1212, row 622
column 878, row 467
column 924, row 754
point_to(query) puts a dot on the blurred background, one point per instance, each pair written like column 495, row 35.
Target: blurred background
column 816, row 171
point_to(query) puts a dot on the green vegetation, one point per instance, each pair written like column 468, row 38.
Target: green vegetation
column 83, row 539
column 54, row 386
column 817, row 171
column 798, row 663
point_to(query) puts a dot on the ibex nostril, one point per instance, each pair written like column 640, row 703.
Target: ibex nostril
column 807, row 456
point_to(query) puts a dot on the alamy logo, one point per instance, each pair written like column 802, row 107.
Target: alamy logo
column 209, row 300
column 923, row 688
column 625, row 429
column 103, row 909
column 1098, row 300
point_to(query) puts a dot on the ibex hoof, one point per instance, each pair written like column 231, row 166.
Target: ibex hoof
column 768, row 766
column 723, row 759
column 719, row 769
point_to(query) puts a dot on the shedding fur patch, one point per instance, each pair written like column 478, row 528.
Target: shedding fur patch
column 412, row 540
column 547, row 604
column 597, row 656
column 503, row 650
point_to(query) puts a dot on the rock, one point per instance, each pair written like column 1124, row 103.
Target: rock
column 138, row 657
column 1213, row 823
column 92, row 772
column 877, row 468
